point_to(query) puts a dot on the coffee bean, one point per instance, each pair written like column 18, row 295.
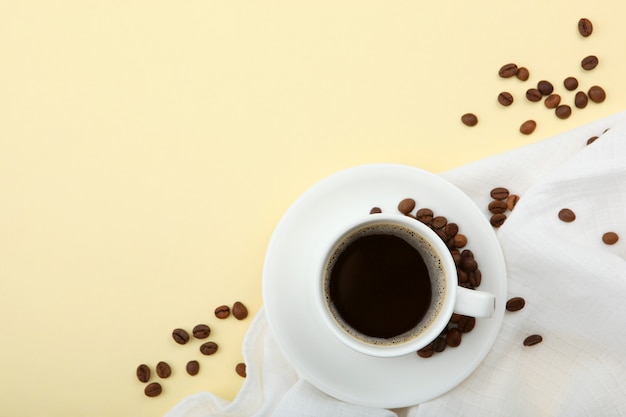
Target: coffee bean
column 438, row 222
column 497, row 220
column 193, row 367
column 468, row 264
column 475, row 277
column 241, row 369
column 463, row 277
column 545, row 87
column 533, row 94
column 439, row 345
column 563, row 111
column 508, row 70
column 163, row 370
column 453, row 338
column 585, row 28
column 153, row 389
column 466, row 324
column 427, row 351
column 570, row 83
column 240, row 311
column 505, row 98
column 497, row 207
column 456, row 256
column 552, row 101
column 610, row 238
column 180, row 336
column 425, row 215
column 566, row 215
column 460, row 240
column 375, row 210
column 515, row 304
column 469, row 119
column 591, row 140
column 589, row 62
column 522, row 73
column 596, row 94
column 528, row 127
column 581, row 100
column 451, row 229
column 511, row 202
column 532, row 340
column 406, row 206
column 143, row 373
column 208, row 348
column 222, row 312
column 499, row 193
column 201, row 331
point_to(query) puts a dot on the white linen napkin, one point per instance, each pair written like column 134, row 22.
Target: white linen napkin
column 573, row 283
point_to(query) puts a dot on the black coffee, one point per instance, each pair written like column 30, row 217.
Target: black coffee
column 380, row 285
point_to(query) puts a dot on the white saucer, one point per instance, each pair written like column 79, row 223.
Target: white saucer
column 312, row 349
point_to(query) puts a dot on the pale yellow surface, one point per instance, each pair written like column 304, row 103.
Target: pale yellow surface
column 148, row 149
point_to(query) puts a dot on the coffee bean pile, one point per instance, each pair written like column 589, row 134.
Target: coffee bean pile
column 545, row 89
column 502, row 202
column 567, row 215
column 516, row 304
column 182, row 337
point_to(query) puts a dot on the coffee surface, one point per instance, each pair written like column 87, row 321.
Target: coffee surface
column 380, row 285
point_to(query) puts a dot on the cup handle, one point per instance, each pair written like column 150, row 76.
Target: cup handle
column 474, row 303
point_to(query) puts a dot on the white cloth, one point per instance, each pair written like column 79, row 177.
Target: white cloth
column 574, row 286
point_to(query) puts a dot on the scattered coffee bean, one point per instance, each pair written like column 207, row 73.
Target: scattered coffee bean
column 581, row 100
column 545, row 87
column 180, row 336
column 222, row 312
column 515, row 304
column 469, row 119
column 193, row 367
column 528, row 127
column 511, row 201
column 406, row 206
column 497, row 207
column 425, row 215
column 375, row 210
column 610, row 238
column 143, row 373
column 563, row 111
column 208, row 348
column 596, row 94
column 508, row 70
column 467, row 324
column 499, row 193
column 240, row 311
column 241, row 369
column 570, row 83
column 522, row 73
column 460, row 240
column 566, row 215
column 497, row 220
column 427, row 351
column 585, row 28
column 552, row 101
column 453, row 338
column 589, row 62
column 451, row 229
column 439, row 222
column 591, row 140
column 439, row 345
column 163, row 369
column 153, row 389
column 533, row 340
column 505, row 98
column 201, row 331
column 533, row 94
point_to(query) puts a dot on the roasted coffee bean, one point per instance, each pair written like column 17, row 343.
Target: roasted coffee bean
column 439, row 345
column 163, row 369
column 610, row 238
column 460, row 240
column 515, row 304
column 563, row 111
column 499, row 193
column 406, row 206
column 511, row 201
column 469, row 264
column 505, row 98
column 591, row 140
column 497, row 220
column 581, row 100
column 425, row 215
column 375, row 210
column 528, row 127
column 438, row 222
column 566, row 215
column 532, row 340
column 451, row 229
column 585, row 28
column 427, row 351
column 508, row 70
column 545, row 87
column 596, row 94
column 463, row 277
column 180, row 336
column 193, row 367
column 441, row 233
column 201, row 331
column 455, row 318
column 153, row 389
column 222, row 312
column 497, row 207
column 453, row 338
column 552, row 101
column 240, row 368
column 475, row 277
column 570, row 83
column 467, row 324
column 208, row 348
column 589, row 62
column 456, row 257
column 240, row 311
column 469, row 119
column 143, row 373
column 522, row 73
column 533, row 94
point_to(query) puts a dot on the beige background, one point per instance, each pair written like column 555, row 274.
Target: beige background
column 148, row 149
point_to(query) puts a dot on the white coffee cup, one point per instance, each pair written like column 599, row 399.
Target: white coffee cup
column 446, row 296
